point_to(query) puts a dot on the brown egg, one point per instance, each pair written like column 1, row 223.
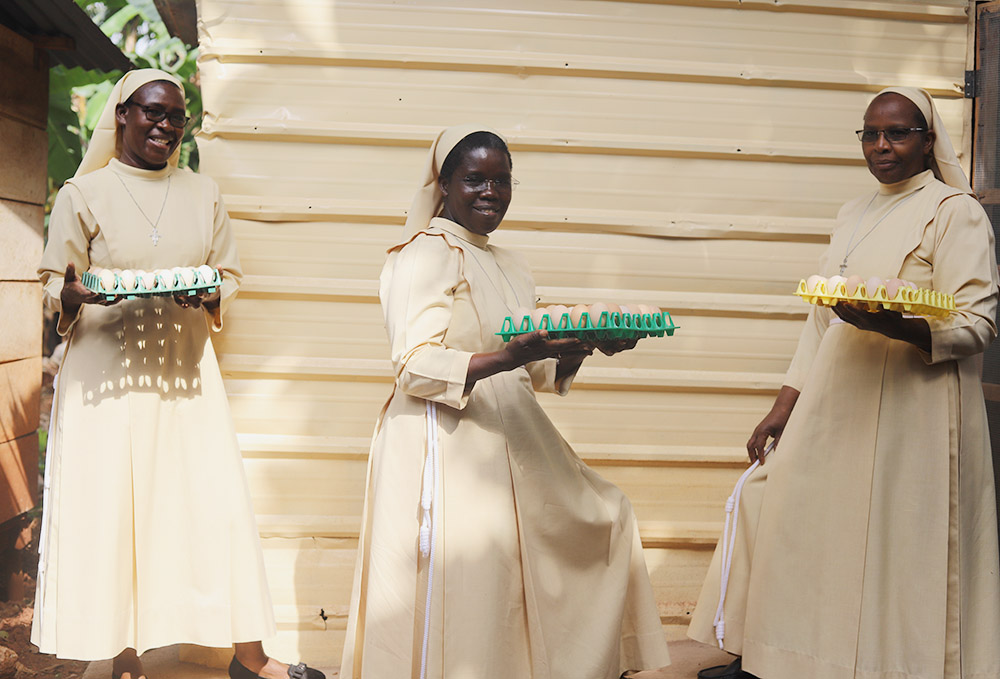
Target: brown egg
column 852, row 284
column 599, row 315
column 536, row 317
column 556, row 313
column 872, row 284
column 576, row 314
column 892, row 287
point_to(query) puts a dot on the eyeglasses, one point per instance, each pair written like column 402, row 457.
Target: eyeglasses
column 893, row 135
column 155, row 115
column 476, row 183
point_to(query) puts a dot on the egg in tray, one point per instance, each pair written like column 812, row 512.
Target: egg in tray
column 129, row 283
column 590, row 322
column 894, row 294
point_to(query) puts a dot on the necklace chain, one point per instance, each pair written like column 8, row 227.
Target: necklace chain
column 850, row 250
column 154, row 235
column 492, row 284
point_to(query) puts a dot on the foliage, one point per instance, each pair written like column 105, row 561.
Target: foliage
column 77, row 97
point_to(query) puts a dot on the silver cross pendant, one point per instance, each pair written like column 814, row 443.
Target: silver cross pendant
column 154, row 236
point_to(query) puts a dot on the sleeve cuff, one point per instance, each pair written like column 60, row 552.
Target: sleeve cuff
column 66, row 322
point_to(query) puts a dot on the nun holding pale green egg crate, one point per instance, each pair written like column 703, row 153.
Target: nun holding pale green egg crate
column 148, row 533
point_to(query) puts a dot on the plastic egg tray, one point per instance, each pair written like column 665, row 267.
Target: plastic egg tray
column 162, row 288
column 609, row 326
column 921, row 301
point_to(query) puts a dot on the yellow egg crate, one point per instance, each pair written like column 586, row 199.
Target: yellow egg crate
column 918, row 301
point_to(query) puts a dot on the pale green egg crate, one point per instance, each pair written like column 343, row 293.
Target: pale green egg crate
column 161, row 287
column 609, row 326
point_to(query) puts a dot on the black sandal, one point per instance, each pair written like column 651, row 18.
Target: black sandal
column 733, row 670
column 300, row 671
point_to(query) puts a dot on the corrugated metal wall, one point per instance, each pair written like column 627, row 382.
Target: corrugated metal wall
column 689, row 154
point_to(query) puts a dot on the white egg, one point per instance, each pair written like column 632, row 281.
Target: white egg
column 813, row 283
column 107, row 278
column 187, row 275
column 832, row 282
column 556, row 313
column 127, row 278
column 148, row 280
column 206, row 273
column 912, row 285
column 166, row 277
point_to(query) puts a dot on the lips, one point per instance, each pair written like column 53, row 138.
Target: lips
column 163, row 143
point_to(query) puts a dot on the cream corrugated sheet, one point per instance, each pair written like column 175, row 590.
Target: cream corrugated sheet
column 150, row 537
column 877, row 523
column 539, row 569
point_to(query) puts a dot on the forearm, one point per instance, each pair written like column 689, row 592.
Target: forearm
column 785, row 401
column 485, row 365
column 916, row 331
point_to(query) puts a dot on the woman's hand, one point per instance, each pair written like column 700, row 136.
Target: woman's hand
column 74, row 294
column 612, row 347
column 773, row 423
column 210, row 300
column 537, row 345
column 527, row 348
column 892, row 324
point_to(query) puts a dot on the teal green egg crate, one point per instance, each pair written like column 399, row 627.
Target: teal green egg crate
column 161, row 288
column 609, row 326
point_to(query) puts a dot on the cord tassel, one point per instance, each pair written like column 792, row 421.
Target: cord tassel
column 428, row 526
column 729, row 544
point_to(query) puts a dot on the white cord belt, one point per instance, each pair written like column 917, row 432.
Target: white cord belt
column 729, row 544
column 428, row 526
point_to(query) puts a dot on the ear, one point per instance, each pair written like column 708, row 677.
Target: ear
column 929, row 139
column 443, row 185
column 120, row 111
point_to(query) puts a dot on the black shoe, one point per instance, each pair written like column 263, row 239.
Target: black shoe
column 733, row 670
column 300, row 671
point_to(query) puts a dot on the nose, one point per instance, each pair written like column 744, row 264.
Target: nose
column 489, row 188
column 882, row 144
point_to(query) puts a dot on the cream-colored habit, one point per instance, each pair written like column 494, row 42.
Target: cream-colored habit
column 149, row 535
column 539, row 568
column 868, row 542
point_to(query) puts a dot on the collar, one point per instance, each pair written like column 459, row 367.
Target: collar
column 909, row 185
column 460, row 231
column 121, row 168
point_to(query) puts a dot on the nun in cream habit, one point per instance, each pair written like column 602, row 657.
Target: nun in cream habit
column 875, row 552
column 537, row 565
column 149, row 536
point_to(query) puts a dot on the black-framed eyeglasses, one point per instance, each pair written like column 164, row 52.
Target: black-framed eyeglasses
column 155, row 115
column 893, row 135
column 476, row 183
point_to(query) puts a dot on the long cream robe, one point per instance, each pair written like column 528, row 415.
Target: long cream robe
column 539, row 570
column 149, row 535
column 875, row 554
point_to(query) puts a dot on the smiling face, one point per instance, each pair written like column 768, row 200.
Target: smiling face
column 894, row 162
column 472, row 201
column 145, row 144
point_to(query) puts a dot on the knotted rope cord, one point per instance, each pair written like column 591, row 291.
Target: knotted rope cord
column 729, row 544
column 428, row 526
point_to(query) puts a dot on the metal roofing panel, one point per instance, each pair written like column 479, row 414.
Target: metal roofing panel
column 63, row 18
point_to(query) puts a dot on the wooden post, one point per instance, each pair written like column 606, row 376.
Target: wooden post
column 23, row 187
